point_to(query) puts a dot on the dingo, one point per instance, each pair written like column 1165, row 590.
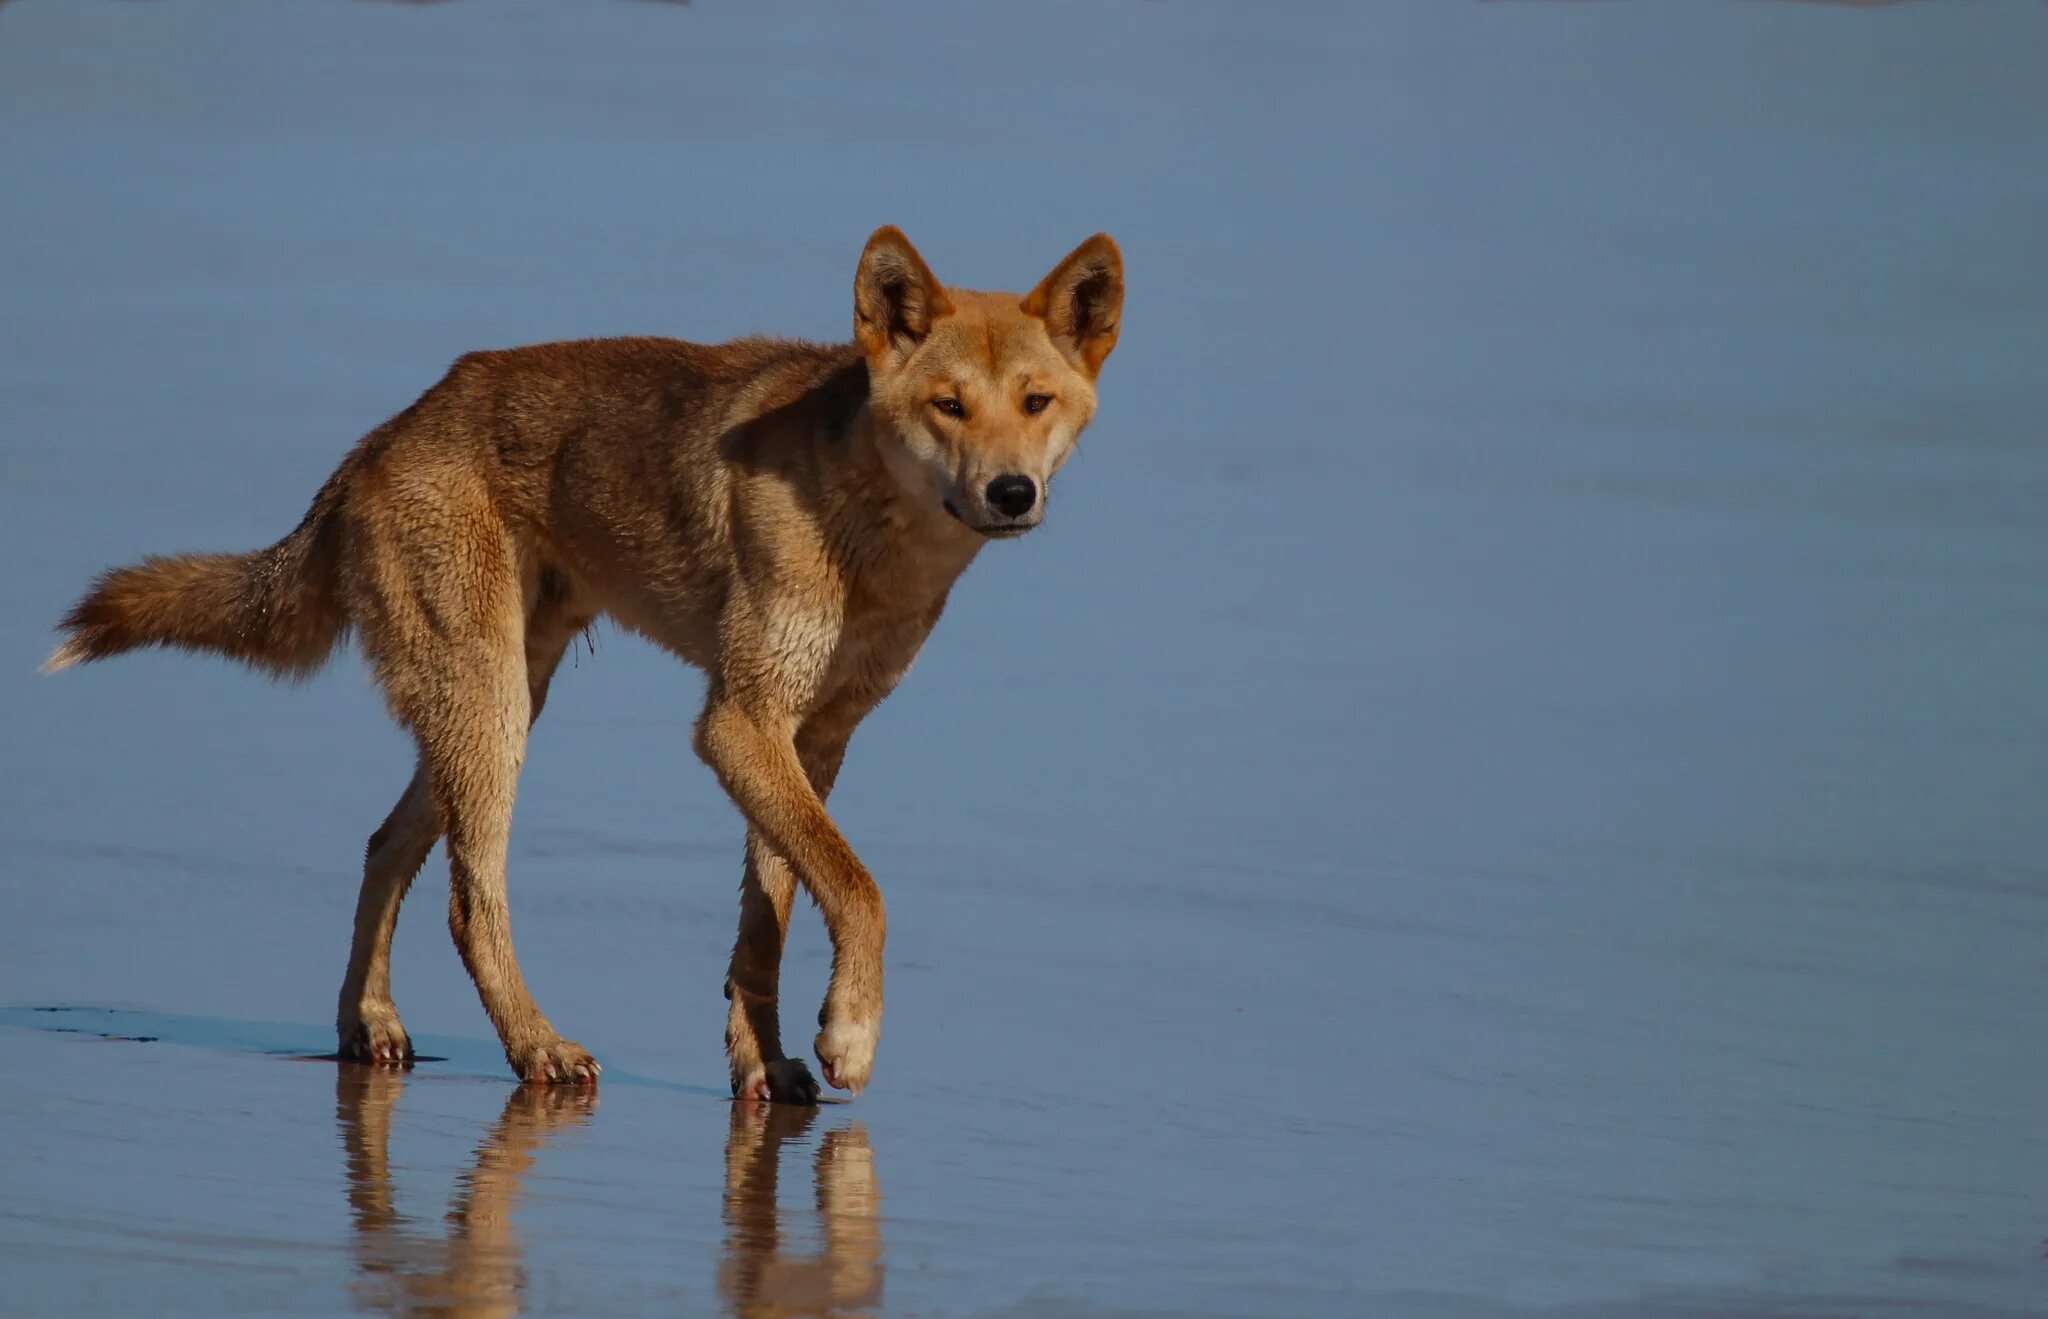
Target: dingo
column 787, row 516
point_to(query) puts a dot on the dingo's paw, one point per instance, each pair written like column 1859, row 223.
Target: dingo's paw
column 374, row 1036
column 846, row 1050
column 556, row 1061
column 783, row 1081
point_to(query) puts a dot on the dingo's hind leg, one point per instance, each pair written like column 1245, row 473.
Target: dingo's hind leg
column 366, row 1023
column 444, row 613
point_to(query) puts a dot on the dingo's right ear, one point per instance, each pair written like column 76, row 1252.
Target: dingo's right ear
column 895, row 296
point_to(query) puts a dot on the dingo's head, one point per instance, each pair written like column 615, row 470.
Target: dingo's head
column 979, row 397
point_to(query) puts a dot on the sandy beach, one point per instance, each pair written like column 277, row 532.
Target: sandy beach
column 1531, row 799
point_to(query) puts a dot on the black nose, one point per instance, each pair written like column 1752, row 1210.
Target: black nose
column 1012, row 496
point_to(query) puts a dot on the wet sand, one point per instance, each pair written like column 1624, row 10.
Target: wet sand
column 1530, row 798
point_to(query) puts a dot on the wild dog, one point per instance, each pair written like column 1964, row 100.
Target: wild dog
column 787, row 516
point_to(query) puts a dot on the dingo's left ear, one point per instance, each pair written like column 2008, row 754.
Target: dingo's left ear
column 1082, row 301
column 895, row 296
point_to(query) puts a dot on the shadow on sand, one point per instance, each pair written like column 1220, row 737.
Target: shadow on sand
column 451, row 1054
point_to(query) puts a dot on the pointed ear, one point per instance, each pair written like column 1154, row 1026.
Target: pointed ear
column 1082, row 301
column 895, row 295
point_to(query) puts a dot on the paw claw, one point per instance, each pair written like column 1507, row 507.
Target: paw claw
column 376, row 1038
column 557, row 1062
column 846, row 1052
column 782, row 1081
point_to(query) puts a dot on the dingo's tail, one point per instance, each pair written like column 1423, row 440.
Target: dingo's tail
column 276, row 609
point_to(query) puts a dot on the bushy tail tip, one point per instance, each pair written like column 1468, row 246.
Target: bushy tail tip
column 71, row 652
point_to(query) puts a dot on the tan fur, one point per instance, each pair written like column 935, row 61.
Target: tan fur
column 788, row 516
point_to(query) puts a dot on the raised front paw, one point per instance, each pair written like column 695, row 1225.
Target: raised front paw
column 373, row 1035
column 846, row 1050
column 783, row 1081
column 556, row 1061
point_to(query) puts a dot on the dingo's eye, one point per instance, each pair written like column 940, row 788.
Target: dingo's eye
column 949, row 406
column 1037, row 403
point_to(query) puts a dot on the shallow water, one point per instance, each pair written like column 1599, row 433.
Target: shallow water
column 1531, row 798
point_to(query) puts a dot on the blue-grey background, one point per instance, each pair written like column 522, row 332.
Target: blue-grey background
column 1532, row 798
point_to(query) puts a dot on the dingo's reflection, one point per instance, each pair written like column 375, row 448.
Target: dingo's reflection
column 842, row 1276
column 469, row 1264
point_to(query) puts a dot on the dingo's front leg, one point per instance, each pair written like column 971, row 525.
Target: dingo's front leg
column 753, row 1031
column 753, row 1034
column 754, row 754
